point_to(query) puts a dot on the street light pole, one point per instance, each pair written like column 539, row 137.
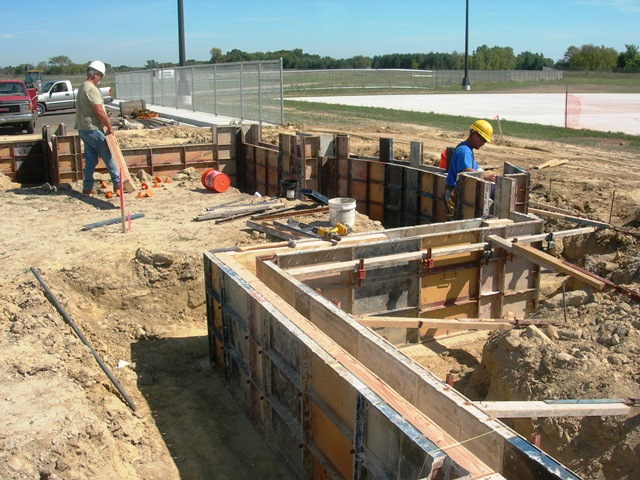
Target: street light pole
column 465, row 81
column 181, row 49
column 183, row 93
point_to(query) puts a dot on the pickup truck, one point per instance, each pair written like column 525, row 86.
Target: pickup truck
column 18, row 105
column 60, row 95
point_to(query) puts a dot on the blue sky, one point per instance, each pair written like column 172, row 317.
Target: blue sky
column 131, row 32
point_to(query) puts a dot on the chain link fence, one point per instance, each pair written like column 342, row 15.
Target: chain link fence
column 398, row 78
column 255, row 90
column 247, row 90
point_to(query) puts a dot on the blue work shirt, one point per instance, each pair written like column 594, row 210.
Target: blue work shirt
column 461, row 159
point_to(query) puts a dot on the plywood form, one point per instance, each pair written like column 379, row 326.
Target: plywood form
column 500, row 448
column 168, row 160
column 288, row 145
column 505, row 197
column 67, row 158
column 65, row 163
column 522, row 185
column 23, row 161
column 165, row 160
column 433, row 271
column 473, row 196
column 392, row 192
column 305, row 398
column 261, row 169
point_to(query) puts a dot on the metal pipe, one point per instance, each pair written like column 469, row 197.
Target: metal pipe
column 181, row 54
column 465, row 81
column 67, row 319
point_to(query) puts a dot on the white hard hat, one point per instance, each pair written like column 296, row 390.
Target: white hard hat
column 98, row 66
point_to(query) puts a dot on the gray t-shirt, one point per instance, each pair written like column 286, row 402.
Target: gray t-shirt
column 88, row 95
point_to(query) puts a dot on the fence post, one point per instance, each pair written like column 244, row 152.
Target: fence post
column 175, row 87
column 260, row 93
column 241, row 93
column 153, row 87
column 281, row 93
column 215, row 90
column 162, row 102
column 193, row 100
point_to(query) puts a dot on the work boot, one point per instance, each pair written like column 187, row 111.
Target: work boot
column 89, row 192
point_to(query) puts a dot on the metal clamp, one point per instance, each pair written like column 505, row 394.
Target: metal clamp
column 550, row 243
column 361, row 273
column 427, row 261
column 487, row 254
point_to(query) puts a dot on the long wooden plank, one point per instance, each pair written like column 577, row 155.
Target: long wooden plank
column 545, row 260
column 569, row 218
column 592, row 408
column 551, row 163
column 386, row 261
column 448, row 324
column 552, row 208
column 121, row 165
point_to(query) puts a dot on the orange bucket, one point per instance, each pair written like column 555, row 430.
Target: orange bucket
column 215, row 180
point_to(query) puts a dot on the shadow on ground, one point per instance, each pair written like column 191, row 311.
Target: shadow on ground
column 65, row 190
column 204, row 429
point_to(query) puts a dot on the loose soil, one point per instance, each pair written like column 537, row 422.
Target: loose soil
column 138, row 298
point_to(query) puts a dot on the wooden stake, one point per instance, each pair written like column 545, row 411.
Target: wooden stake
column 564, row 300
column 613, row 199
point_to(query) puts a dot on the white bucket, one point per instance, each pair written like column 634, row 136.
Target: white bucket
column 342, row 210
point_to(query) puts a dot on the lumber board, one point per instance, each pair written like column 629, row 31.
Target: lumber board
column 547, row 261
column 539, row 409
column 447, row 324
column 569, row 218
column 551, row 163
column 234, row 211
column 247, row 257
column 552, row 208
column 121, row 165
column 384, row 261
column 543, row 236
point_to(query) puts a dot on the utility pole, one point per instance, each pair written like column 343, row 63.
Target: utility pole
column 184, row 93
column 465, row 81
column 183, row 60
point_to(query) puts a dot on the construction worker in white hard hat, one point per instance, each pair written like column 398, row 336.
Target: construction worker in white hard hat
column 463, row 159
column 92, row 124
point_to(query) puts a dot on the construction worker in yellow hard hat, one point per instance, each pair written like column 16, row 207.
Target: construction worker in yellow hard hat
column 463, row 159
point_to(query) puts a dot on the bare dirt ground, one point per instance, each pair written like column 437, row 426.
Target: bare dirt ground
column 138, row 297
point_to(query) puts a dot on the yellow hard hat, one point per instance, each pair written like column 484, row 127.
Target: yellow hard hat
column 483, row 128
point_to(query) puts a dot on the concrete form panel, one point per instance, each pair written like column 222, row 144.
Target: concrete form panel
column 418, row 387
column 319, row 443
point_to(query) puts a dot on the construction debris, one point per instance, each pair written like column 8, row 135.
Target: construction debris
column 238, row 211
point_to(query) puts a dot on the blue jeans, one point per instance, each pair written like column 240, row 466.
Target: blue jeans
column 95, row 144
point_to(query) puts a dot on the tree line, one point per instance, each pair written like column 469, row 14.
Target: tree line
column 585, row 58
